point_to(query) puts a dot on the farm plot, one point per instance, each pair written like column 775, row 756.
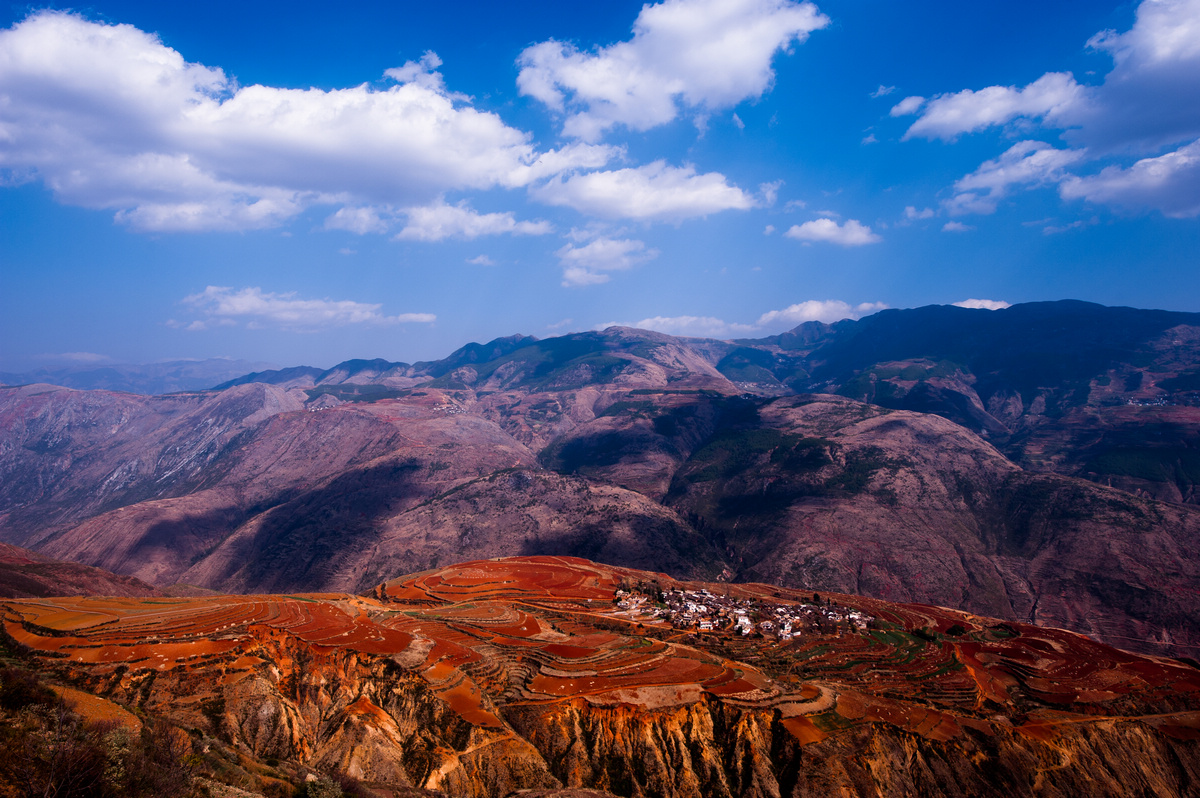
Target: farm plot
column 486, row 635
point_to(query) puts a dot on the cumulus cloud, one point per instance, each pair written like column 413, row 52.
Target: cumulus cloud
column 224, row 306
column 983, row 304
column 360, row 220
column 911, row 214
column 828, row 311
column 1149, row 101
column 907, row 106
column 481, row 260
column 851, row 234
column 435, row 222
column 654, row 192
column 108, row 117
column 1169, row 183
column 697, row 56
column 1150, row 98
column 1026, row 163
column 589, row 263
column 441, row 221
column 1052, row 97
column 956, row 227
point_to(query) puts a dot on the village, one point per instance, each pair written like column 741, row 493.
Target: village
column 705, row 611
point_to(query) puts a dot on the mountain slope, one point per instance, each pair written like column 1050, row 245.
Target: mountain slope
column 633, row 447
column 27, row 574
column 492, row 677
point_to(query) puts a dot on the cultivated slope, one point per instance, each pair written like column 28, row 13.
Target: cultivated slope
column 536, row 673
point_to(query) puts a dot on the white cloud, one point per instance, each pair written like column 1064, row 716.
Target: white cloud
column 768, row 229
column 1169, row 183
column 654, row 192
column 851, row 234
column 108, row 117
column 1026, row 163
column 882, row 91
column 435, row 222
column 912, row 214
column 481, row 260
column 870, row 139
column 907, row 106
column 1078, row 224
column 1147, row 104
column 710, row 327
column 360, row 220
column 255, row 308
column 696, row 55
column 828, row 311
column 983, row 304
column 441, row 221
column 1151, row 98
column 956, row 227
column 692, row 326
column 1052, row 97
column 587, row 264
column 737, row 121
column 770, row 192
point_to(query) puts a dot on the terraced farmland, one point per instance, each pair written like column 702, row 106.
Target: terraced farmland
column 490, row 676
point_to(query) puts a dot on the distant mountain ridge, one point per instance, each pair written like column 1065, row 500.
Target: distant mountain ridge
column 957, row 468
column 1050, row 383
column 149, row 379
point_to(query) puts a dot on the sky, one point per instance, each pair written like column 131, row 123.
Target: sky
column 303, row 183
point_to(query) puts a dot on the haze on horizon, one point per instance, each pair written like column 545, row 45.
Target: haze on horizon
column 296, row 184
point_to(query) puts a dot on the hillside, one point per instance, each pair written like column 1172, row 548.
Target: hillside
column 27, row 574
column 491, row 677
column 625, row 446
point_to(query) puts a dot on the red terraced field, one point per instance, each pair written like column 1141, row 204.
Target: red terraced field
column 532, row 631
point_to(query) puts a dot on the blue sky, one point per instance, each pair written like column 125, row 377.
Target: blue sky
column 300, row 183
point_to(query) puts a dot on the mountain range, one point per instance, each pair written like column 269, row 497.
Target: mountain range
column 1036, row 463
column 150, row 378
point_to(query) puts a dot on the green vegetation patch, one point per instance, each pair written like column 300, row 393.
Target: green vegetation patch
column 548, row 364
column 730, row 452
column 872, row 383
column 861, row 465
column 830, row 721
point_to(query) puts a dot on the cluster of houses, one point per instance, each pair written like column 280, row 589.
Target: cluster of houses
column 705, row 611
